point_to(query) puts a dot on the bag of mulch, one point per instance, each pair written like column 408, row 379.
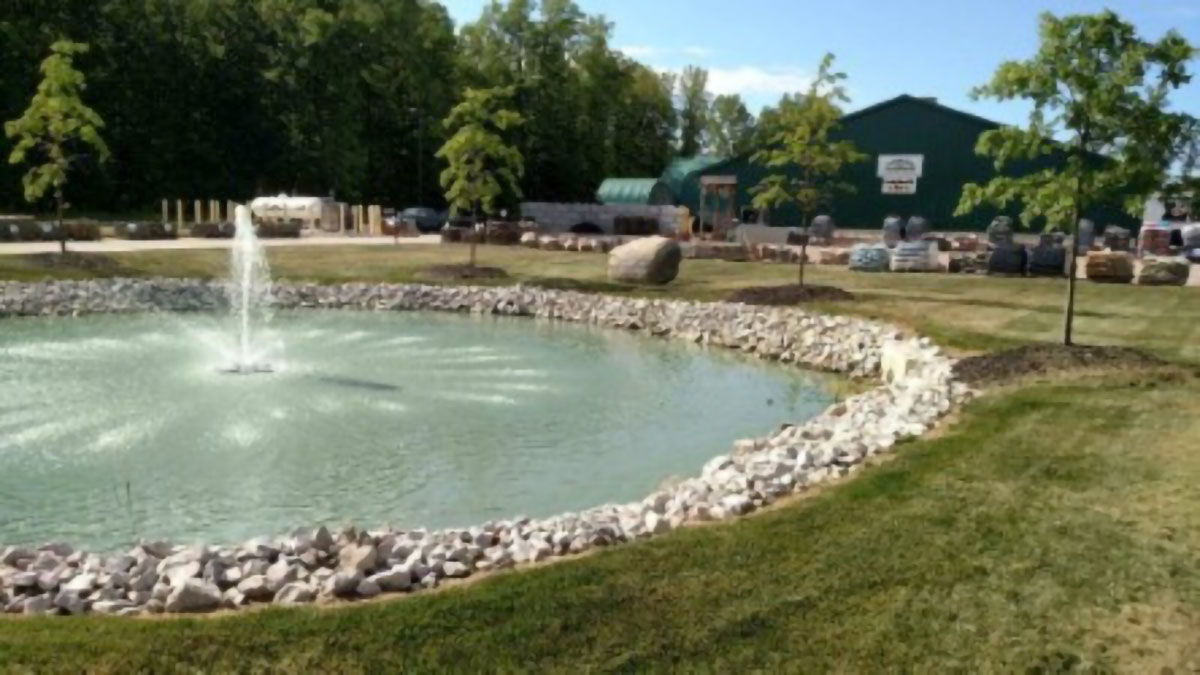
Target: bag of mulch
column 1008, row 260
column 1048, row 260
column 869, row 258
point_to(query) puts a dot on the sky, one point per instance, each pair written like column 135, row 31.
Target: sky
column 762, row 49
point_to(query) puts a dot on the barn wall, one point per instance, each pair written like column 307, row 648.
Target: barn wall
column 905, row 125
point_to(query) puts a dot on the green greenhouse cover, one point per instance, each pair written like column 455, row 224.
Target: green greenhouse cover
column 633, row 191
column 679, row 169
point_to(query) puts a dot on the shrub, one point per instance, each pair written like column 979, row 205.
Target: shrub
column 278, row 230
column 213, row 230
column 145, row 231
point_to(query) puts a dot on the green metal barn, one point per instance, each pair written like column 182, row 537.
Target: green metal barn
column 919, row 155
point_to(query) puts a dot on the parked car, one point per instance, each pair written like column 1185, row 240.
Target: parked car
column 423, row 219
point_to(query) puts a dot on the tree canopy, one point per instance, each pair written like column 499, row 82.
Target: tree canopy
column 57, row 128
column 799, row 149
column 1098, row 94
column 232, row 98
column 482, row 166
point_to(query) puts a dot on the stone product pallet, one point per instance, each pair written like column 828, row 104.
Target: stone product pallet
column 310, row 564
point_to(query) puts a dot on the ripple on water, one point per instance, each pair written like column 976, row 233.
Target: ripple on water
column 404, row 418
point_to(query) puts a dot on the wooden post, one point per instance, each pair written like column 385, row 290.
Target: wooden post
column 179, row 213
column 375, row 219
column 198, row 211
column 166, row 212
column 341, row 217
column 230, row 209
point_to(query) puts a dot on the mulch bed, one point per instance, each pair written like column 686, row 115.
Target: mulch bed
column 792, row 294
column 462, row 272
column 1047, row 358
column 77, row 261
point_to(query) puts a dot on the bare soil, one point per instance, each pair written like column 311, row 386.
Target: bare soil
column 791, row 294
column 462, row 272
column 1049, row 358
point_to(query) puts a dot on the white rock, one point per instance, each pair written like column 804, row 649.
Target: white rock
column 179, row 571
column 193, row 595
column 295, row 593
column 70, row 602
column 321, row 539
column 342, row 584
column 80, row 584
column 399, row 578
column 455, row 569
column 110, row 606
column 357, row 558
column 368, row 589
column 257, row 588
column 281, row 573
column 38, row 604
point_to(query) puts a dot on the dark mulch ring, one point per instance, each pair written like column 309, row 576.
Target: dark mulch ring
column 1049, row 358
column 792, row 294
column 75, row 261
column 462, row 272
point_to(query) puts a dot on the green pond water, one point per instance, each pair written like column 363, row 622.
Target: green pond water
column 119, row 427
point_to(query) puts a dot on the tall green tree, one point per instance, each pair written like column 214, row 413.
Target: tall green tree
column 801, row 152
column 57, row 130
column 482, row 165
column 730, row 126
column 1098, row 94
column 693, row 110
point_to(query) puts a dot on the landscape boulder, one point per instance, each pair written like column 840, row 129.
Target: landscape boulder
column 193, row 595
column 1115, row 267
column 1164, row 272
column 647, row 260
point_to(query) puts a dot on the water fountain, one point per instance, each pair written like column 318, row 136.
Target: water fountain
column 249, row 292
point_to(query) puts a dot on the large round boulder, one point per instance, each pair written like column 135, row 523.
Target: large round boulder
column 648, row 260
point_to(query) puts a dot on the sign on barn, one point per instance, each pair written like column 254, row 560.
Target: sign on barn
column 900, row 173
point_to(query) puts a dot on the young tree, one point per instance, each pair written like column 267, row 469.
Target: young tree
column 54, row 125
column 804, row 158
column 482, row 165
column 1098, row 94
column 730, row 126
column 693, row 110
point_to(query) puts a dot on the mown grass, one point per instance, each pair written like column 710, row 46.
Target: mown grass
column 964, row 312
column 1051, row 527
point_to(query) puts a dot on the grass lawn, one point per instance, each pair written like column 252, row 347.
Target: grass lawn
column 1053, row 526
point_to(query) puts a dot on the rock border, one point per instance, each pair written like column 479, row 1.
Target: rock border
column 917, row 388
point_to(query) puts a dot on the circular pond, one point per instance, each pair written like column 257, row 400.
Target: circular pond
column 119, row 427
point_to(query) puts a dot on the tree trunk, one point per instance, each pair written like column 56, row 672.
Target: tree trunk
column 473, row 233
column 1077, row 213
column 62, row 232
column 803, row 258
column 803, row 246
column 1069, row 311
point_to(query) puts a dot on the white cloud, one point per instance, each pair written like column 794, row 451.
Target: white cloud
column 639, row 51
column 752, row 80
column 697, row 52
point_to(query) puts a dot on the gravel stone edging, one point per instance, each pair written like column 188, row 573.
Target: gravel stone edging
column 917, row 388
